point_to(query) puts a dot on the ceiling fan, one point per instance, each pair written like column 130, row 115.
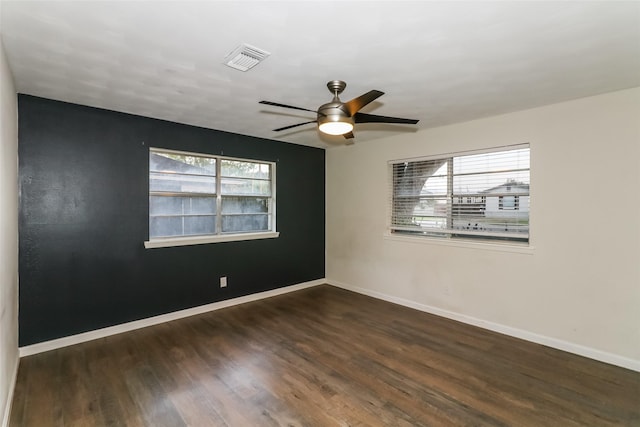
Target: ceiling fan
column 337, row 117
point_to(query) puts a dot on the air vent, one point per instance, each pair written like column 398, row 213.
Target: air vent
column 245, row 57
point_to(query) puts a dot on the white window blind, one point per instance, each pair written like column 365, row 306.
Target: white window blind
column 466, row 195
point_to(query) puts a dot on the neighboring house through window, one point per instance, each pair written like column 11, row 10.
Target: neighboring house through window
column 192, row 196
column 467, row 195
column 509, row 202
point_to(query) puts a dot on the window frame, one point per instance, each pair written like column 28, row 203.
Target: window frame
column 450, row 236
column 219, row 236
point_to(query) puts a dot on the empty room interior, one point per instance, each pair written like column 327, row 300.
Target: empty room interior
column 316, row 213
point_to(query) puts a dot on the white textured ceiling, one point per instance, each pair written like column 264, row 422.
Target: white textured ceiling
column 439, row 62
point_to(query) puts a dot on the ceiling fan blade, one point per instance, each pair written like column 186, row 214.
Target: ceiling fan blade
column 372, row 118
column 356, row 104
column 286, row 106
column 293, row 126
column 348, row 135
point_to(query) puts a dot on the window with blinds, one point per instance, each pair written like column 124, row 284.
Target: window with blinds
column 479, row 195
column 199, row 195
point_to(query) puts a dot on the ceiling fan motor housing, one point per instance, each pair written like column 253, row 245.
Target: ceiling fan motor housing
column 335, row 112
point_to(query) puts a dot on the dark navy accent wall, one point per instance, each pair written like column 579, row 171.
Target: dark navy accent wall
column 84, row 217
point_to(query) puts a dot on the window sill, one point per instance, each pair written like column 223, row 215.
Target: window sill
column 462, row 243
column 201, row 240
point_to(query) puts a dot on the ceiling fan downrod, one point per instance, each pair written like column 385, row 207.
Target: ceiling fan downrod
column 336, row 87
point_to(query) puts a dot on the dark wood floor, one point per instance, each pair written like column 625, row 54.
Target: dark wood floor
column 319, row 357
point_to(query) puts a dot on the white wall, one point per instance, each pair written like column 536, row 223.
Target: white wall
column 8, row 236
column 578, row 288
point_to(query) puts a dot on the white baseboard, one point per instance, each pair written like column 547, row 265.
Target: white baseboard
column 580, row 350
column 12, row 386
column 569, row 347
column 143, row 323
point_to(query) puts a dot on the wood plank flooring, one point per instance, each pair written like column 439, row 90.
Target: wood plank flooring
column 319, row 357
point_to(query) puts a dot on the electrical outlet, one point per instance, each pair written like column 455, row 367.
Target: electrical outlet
column 223, row 282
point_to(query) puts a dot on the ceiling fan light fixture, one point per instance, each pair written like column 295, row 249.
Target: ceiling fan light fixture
column 335, row 128
column 335, row 124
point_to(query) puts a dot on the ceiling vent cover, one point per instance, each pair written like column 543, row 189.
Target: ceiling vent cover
column 245, row 57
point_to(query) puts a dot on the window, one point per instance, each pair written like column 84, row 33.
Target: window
column 479, row 195
column 508, row 202
column 192, row 196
